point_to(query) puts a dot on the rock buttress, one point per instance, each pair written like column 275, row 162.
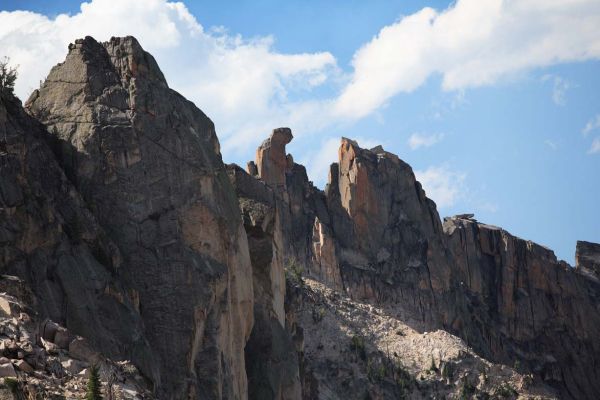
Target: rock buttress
column 271, row 356
column 50, row 239
column 147, row 163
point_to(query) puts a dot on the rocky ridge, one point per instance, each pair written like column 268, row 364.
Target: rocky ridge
column 120, row 219
column 377, row 238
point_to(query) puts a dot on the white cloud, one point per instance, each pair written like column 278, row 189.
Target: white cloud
column 591, row 125
column 248, row 87
column 244, row 85
column 595, row 147
column 442, row 185
column 470, row 44
column 560, row 86
column 551, row 144
column 417, row 140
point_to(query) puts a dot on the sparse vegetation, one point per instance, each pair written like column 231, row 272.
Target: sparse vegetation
column 447, row 370
column 8, row 76
column 517, row 365
column 433, row 368
column 318, row 313
column 12, row 384
column 376, row 371
column 402, row 376
column 357, row 345
column 504, row 391
column 466, row 390
column 294, row 271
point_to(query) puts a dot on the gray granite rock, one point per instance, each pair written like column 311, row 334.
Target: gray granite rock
column 147, row 164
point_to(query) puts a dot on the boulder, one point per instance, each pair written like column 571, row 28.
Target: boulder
column 81, row 350
column 74, row 367
column 22, row 365
column 7, row 371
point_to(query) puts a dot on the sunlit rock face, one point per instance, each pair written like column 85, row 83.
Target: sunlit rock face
column 146, row 161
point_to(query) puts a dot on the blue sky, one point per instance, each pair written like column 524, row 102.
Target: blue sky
column 488, row 100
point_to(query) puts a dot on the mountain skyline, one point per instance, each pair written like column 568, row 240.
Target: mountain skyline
column 515, row 139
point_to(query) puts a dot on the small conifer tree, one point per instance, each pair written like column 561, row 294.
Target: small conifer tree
column 94, row 386
column 8, row 77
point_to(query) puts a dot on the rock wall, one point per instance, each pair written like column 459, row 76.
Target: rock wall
column 50, row 239
column 147, row 163
column 526, row 305
column 377, row 236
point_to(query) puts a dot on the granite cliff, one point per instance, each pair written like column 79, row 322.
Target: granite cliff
column 127, row 231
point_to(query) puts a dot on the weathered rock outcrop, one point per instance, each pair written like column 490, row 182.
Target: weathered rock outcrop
column 587, row 257
column 147, row 163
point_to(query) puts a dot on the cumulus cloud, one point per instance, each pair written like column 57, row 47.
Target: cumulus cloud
column 470, row 44
column 442, row 184
column 591, row 125
column 243, row 84
column 595, row 147
column 417, row 140
column 551, row 144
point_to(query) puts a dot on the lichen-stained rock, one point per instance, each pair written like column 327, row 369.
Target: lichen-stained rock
column 147, row 163
column 587, row 257
column 50, row 239
column 528, row 306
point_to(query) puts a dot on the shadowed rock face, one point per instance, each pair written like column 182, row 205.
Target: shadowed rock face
column 49, row 238
column 527, row 305
column 587, row 257
column 147, row 163
column 271, row 357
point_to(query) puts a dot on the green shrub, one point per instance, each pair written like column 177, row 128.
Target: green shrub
column 357, row 344
column 12, row 384
column 318, row 313
column 467, row 390
column 505, row 391
column 294, row 271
